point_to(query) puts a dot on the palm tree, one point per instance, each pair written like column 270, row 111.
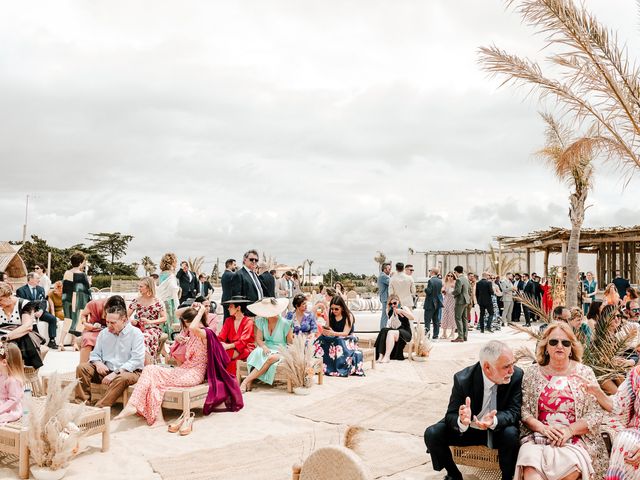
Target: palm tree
column 148, row 265
column 380, row 258
column 195, row 264
column 310, row 262
column 571, row 159
column 501, row 263
column 596, row 83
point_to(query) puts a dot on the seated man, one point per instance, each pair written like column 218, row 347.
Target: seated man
column 484, row 409
column 116, row 360
column 33, row 292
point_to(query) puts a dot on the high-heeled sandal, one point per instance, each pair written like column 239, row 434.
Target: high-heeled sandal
column 175, row 426
column 187, row 426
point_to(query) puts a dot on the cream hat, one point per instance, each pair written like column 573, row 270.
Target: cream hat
column 269, row 307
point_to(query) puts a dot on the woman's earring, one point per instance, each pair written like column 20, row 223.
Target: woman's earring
column 570, row 354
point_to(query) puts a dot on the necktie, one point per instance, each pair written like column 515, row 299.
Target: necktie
column 256, row 282
column 33, row 293
column 493, row 402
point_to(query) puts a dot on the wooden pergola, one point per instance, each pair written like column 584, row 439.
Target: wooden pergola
column 12, row 264
column 616, row 249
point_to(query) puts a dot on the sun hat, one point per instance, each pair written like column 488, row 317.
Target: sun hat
column 269, row 307
column 236, row 300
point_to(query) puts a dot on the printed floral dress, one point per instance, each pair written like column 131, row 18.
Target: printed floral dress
column 626, row 405
column 152, row 333
column 340, row 355
column 156, row 379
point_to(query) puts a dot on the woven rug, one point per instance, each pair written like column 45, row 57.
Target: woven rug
column 271, row 458
column 393, row 406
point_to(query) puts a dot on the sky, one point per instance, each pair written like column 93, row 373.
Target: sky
column 304, row 129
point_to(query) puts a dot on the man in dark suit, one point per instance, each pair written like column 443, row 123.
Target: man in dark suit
column 621, row 284
column 433, row 303
column 484, row 291
column 484, row 409
column 528, row 289
column 33, row 292
column 187, row 281
column 518, row 284
column 226, row 282
column 268, row 281
column 246, row 283
column 203, row 287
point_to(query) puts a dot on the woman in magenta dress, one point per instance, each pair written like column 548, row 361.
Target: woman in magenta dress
column 237, row 334
column 547, row 298
column 149, row 316
column 146, row 399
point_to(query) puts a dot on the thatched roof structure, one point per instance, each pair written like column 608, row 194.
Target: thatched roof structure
column 12, row 264
column 616, row 248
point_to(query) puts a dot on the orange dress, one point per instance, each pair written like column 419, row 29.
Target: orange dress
column 155, row 379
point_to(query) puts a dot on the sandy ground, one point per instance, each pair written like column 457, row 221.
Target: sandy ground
column 267, row 412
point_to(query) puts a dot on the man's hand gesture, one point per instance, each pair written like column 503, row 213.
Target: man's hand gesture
column 485, row 422
column 464, row 413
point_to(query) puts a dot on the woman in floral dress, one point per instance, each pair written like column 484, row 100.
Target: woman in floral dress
column 146, row 399
column 337, row 345
column 624, row 463
column 448, row 321
column 149, row 316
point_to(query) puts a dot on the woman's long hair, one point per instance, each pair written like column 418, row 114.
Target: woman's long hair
column 346, row 313
column 15, row 365
column 542, row 357
column 188, row 316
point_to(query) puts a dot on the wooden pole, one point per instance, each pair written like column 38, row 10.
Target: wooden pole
column 546, row 262
column 49, row 265
column 528, row 260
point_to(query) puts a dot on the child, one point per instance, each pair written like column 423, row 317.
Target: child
column 11, row 382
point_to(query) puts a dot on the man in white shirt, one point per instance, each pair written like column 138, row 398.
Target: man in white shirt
column 403, row 286
column 484, row 409
column 116, row 361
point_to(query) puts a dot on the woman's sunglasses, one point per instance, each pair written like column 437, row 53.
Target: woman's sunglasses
column 554, row 341
column 393, row 303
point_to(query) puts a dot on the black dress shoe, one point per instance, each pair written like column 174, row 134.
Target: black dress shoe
column 488, row 330
column 449, row 477
column 52, row 344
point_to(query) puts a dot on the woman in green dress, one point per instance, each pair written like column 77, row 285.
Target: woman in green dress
column 272, row 331
column 76, row 293
column 167, row 290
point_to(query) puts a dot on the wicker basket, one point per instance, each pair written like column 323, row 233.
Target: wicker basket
column 332, row 462
column 483, row 461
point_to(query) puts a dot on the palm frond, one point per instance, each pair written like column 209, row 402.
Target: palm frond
column 533, row 305
column 524, row 353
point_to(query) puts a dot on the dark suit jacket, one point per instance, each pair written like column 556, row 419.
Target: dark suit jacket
column 226, row 282
column 621, row 284
column 244, row 285
column 484, row 290
column 470, row 383
column 40, row 297
column 433, row 294
column 268, row 284
column 207, row 288
column 189, row 288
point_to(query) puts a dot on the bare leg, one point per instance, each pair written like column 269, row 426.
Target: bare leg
column 127, row 411
column 530, row 473
column 66, row 324
column 255, row 373
column 392, row 338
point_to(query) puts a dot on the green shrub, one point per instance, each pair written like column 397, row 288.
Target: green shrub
column 104, row 281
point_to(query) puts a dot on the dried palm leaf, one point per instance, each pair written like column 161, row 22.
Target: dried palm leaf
column 297, row 361
column 351, row 437
column 524, row 353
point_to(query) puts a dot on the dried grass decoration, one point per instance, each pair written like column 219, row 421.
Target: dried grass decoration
column 421, row 344
column 53, row 426
column 297, row 362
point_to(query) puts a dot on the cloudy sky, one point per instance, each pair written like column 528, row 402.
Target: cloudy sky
column 306, row 129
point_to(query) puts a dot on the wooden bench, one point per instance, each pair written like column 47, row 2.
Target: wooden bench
column 174, row 398
column 14, row 435
column 482, row 459
column 242, row 371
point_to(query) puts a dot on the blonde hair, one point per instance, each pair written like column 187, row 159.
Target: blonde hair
column 5, row 290
column 393, row 296
column 168, row 261
column 576, row 312
column 14, row 361
column 541, row 350
column 150, row 283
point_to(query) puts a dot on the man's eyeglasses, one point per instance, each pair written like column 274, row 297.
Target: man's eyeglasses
column 554, row 341
column 253, row 260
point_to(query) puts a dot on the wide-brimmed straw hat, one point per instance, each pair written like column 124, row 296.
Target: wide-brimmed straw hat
column 237, row 300
column 269, row 307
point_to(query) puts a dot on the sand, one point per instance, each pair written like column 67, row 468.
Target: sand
column 271, row 420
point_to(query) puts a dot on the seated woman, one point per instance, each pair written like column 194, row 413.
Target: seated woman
column 337, row 345
column 149, row 316
column 147, row 396
column 392, row 339
column 17, row 320
column 237, row 334
column 303, row 322
column 561, row 422
column 580, row 327
column 610, row 326
column 94, row 319
column 55, row 301
column 272, row 331
column 624, row 463
column 611, row 295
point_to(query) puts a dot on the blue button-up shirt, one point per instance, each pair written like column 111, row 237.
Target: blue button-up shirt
column 124, row 351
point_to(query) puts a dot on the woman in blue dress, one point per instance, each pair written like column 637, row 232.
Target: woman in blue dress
column 303, row 322
column 337, row 345
column 272, row 332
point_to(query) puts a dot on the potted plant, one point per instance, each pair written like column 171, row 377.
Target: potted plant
column 53, row 430
column 298, row 364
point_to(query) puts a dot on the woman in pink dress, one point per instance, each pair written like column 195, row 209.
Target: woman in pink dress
column 149, row 316
column 146, row 399
column 448, row 321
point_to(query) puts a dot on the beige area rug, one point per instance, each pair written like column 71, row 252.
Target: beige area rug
column 393, row 406
column 271, row 458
